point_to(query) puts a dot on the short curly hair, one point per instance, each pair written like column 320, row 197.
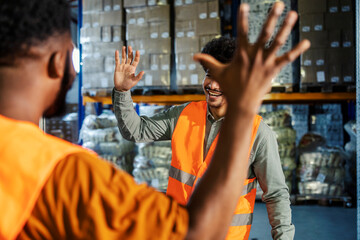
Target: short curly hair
column 27, row 23
column 222, row 49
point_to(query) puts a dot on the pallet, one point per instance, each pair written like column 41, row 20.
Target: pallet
column 322, row 200
column 285, row 88
column 326, row 88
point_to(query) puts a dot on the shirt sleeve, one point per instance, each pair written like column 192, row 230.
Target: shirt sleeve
column 88, row 198
column 268, row 170
column 141, row 128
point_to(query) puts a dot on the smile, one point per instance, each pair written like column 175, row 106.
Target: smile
column 214, row 92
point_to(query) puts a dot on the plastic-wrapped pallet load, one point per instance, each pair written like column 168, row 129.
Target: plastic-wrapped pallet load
column 151, row 164
column 101, row 134
column 350, row 167
column 100, row 35
column 280, row 122
column 321, row 168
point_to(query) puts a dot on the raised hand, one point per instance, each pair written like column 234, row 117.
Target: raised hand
column 248, row 77
column 124, row 75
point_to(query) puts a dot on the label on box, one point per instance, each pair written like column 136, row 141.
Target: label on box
column 189, row 1
column 132, row 21
column 116, row 39
column 154, row 67
column 148, row 80
column 306, row 29
column 320, row 76
column 335, row 79
column 142, row 51
column 178, row 2
column 333, row 9
column 165, row 35
column 154, row 35
column 140, row 20
column 103, row 82
column 140, row 83
column 180, row 34
column 320, row 62
column 194, row 79
column 202, row 15
column 345, row 8
column 192, row 66
column 165, row 67
column 213, row 15
column 182, row 67
column 347, row 79
column 335, row 44
column 318, row 27
column 307, row 63
column 190, row 34
column 151, row 2
column 346, row 44
column 116, row 7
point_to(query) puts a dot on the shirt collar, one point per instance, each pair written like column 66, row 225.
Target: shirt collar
column 211, row 118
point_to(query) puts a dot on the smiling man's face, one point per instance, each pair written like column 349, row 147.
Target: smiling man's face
column 214, row 95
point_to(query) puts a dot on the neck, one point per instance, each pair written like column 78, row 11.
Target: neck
column 218, row 112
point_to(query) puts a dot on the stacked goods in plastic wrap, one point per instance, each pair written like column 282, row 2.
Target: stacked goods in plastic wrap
column 101, row 134
column 151, row 164
column 321, row 168
column 350, row 167
column 280, row 122
column 258, row 13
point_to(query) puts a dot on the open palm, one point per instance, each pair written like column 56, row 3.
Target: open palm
column 124, row 75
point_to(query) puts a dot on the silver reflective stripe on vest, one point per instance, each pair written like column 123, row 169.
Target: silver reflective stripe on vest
column 181, row 176
column 249, row 187
column 242, row 219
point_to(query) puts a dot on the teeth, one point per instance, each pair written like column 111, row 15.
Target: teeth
column 214, row 94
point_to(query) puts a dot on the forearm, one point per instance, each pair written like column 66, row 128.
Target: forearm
column 138, row 128
column 213, row 202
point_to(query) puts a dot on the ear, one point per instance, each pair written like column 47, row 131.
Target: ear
column 56, row 64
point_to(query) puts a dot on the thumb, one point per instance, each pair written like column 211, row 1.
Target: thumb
column 210, row 63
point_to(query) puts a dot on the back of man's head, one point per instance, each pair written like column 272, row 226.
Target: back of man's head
column 222, row 49
column 28, row 23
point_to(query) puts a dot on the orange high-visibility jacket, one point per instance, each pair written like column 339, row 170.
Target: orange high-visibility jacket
column 188, row 165
column 27, row 159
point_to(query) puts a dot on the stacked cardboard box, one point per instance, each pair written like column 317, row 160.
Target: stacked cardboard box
column 196, row 23
column 329, row 25
column 259, row 10
column 101, row 34
column 148, row 30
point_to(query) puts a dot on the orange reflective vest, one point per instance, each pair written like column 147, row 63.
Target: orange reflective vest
column 188, row 165
column 27, row 159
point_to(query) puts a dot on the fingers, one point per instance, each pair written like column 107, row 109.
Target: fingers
column 293, row 54
column 139, row 76
column 137, row 59
column 243, row 26
column 211, row 64
column 117, row 58
column 130, row 55
column 270, row 24
column 283, row 33
column 123, row 55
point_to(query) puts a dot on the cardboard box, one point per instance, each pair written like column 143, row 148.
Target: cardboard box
column 90, row 35
column 319, row 57
column 347, row 36
column 186, row 12
column 106, row 34
column 185, row 28
column 309, row 6
column 213, row 9
column 134, row 3
column 334, row 38
column 317, row 39
column 187, row 45
column 165, row 60
column 318, row 22
column 137, row 31
column 202, row 10
column 117, row 5
column 154, row 62
column 208, row 26
column 348, row 72
column 144, row 63
column 158, row 13
column 307, row 75
column 307, row 58
column 107, row 5
column 305, row 23
column 110, row 18
column 116, row 33
column 334, row 56
column 157, row 78
column 346, row 5
column 333, row 6
column 159, row 29
column 334, row 73
column 339, row 21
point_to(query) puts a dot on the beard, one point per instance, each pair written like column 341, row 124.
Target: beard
column 58, row 108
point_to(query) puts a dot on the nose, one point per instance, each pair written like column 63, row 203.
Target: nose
column 214, row 84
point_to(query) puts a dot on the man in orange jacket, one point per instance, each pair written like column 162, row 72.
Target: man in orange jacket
column 51, row 189
column 193, row 129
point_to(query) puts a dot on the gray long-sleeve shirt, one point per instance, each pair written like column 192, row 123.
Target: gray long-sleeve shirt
column 264, row 157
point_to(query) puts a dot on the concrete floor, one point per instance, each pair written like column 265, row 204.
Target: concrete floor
column 312, row 222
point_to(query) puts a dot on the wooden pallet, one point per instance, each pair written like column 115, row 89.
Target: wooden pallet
column 323, row 200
